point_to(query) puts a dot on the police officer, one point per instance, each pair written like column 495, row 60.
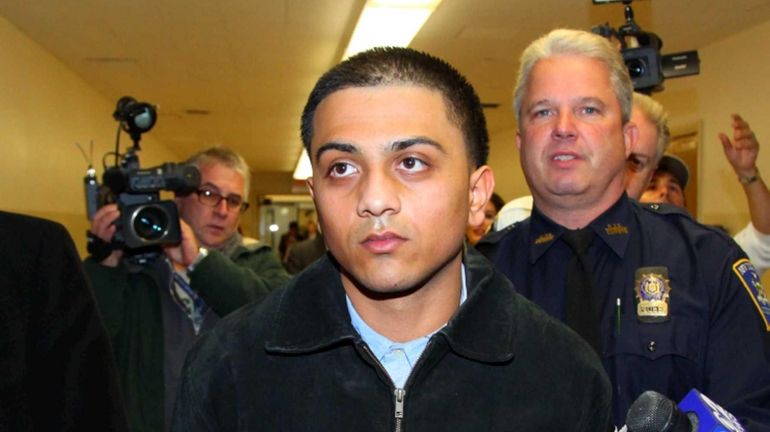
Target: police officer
column 669, row 304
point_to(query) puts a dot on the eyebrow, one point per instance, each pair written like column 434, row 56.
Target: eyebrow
column 217, row 190
column 395, row 146
column 345, row 148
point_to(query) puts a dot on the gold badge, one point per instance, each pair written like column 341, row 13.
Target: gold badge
column 652, row 294
column 544, row 238
column 616, row 228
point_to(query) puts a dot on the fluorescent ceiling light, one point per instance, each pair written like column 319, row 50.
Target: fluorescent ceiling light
column 382, row 23
column 389, row 23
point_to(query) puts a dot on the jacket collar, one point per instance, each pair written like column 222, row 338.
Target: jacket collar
column 312, row 314
column 613, row 227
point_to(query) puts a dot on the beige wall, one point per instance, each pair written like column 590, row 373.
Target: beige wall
column 45, row 110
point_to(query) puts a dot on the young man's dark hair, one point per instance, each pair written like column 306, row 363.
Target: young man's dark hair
column 391, row 65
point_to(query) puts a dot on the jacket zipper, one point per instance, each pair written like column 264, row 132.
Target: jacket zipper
column 399, row 395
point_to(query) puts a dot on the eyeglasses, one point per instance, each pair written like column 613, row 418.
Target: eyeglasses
column 212, row 199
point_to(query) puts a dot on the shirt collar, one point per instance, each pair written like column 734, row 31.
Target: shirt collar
column 613, row 227
column 380, row 345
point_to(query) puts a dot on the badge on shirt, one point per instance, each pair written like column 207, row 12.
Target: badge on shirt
column 748, row 276
column 652, row 294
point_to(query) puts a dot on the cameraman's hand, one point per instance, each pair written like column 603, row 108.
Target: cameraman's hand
column 103, row 226
column 185, row 252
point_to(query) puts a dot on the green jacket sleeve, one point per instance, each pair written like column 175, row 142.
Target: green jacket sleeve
column 227, row 284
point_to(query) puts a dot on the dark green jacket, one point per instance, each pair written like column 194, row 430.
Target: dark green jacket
column 132, row 310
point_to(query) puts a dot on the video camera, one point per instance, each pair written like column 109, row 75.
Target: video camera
column 641, row 53
column 146, row 222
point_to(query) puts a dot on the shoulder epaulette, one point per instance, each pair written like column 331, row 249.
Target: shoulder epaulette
column 664, row 209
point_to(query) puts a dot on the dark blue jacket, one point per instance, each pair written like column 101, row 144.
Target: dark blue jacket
column 714, row 338
column 295, row 363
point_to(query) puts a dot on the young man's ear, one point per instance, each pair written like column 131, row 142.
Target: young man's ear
column 482, row 184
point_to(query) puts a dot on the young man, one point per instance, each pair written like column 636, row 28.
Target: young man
column 154, row 314
column 396, row 327
column 669, row 304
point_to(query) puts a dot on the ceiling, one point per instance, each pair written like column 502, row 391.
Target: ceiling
column 238, row 72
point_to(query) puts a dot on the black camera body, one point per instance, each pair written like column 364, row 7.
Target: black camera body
column 647, row 67
column 146, row 222
column 145, row 219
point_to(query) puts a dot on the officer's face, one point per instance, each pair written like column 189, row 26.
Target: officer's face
column 213, row 226
column 394, row 187
column 571, row 138
column 641, row 164
column 664, row 188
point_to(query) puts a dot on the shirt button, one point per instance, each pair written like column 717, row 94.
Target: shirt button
column 651, row 346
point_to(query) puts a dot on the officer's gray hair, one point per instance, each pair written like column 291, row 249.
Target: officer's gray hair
column 575, row 42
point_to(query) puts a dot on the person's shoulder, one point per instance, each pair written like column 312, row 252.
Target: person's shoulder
column 16, row 222
column 492, row 241
column 661, row 216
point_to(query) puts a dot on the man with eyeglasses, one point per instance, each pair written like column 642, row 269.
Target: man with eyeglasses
column 154, row 313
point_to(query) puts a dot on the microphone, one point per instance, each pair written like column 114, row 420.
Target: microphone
column 653, row 412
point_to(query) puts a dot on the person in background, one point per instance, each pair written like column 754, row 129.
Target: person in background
column 474, row 233
column 668, row 182
column 58, row 372
column 668, row 304
column 742, row 151
column 289, row 238
column 399, row 326
column 671, row 177
column 154, row 312
column 304, row 253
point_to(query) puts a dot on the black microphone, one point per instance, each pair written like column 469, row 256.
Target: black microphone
column 653, row 412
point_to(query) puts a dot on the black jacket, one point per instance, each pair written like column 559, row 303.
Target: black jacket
column 56, row 367
column 295, row 363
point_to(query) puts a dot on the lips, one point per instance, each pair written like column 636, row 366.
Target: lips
column 382, row 243
column 565, row 159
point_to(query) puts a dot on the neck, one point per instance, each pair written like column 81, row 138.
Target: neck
column 412, row 313
column 576, row 211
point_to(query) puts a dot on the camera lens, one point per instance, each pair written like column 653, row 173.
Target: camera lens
column 636, row 68
column 150, row 223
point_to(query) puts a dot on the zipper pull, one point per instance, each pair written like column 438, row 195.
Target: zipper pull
column 399, row 397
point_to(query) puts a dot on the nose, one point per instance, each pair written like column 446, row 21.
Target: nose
column 565, row 125
column 378, row 194
column 221, row 208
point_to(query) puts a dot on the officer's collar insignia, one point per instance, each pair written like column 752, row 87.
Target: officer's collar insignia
column 652, row 294
column 615, row 229
column 750, row 280
column 544, row 238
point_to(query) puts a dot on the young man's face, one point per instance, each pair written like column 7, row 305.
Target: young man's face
column 213, row 226
column 393, row 186
column 664, row 188
column 642, row 162
column 571, row 138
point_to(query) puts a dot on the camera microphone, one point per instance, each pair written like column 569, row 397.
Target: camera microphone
column 91, row 185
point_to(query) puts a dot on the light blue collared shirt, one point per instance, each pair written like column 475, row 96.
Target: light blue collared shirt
column 398, row 359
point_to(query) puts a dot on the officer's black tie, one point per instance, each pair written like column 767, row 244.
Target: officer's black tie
column 581, row 313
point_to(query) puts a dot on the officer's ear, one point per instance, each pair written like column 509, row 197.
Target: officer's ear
column 630, row 137
column 482, row 184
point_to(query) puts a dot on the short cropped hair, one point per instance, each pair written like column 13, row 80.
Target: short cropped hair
column 655, row 113
column 405, row 66
column 581, row 43
column 227, row 158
